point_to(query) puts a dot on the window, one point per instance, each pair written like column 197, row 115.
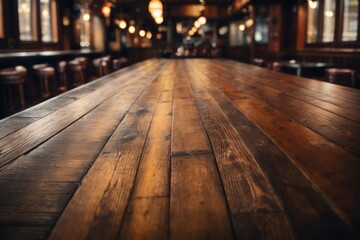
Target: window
column 338, row 23
column 27, row 20
column 329, row 21
column 28, row 16
column 312, row 21
column 350, row 22
column 261, row 25
column 48, row 21
column 1, row 20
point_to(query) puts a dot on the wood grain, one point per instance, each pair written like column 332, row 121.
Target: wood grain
column 37, row 132
column 101, row 212
column 188, row 135
column 197, row 204
column 184, row 149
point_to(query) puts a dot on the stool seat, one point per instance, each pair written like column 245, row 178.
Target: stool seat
column 341, row 76
column 46, row 71
column 13, row 77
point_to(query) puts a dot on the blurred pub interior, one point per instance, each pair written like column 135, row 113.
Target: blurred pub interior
column 111, row 34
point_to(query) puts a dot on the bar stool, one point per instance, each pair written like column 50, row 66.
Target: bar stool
column 116, row 65
column 259, row 62
column 45, row 74
column 341, row 76
column 62, row 81
column 83, row 61
column 107, row 65
column 275, row 66
column 97, row 65
column 76, row 73
column 119, row 63
column 13, row 77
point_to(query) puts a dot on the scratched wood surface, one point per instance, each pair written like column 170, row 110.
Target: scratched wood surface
column 185, row 149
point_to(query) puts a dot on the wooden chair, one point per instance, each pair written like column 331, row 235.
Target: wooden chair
column 9, row 78
column 341, row 76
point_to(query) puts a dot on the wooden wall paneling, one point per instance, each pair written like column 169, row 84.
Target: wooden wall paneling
column 275, row 28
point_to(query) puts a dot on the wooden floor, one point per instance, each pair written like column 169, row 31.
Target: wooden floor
column 185, row 149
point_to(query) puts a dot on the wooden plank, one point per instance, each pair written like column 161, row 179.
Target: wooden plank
column 147, row 218
column 148, row 211
column 10, row 125
column 188, row 134
column 100, row 213
column 153, row 174
column 197, row 205
column 42, row 109
column 246, row 187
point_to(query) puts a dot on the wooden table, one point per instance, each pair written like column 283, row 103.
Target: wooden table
column 185, row 149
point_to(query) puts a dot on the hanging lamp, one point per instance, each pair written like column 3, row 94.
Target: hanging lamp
column 106, row 9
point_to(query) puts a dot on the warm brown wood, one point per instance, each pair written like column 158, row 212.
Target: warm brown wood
column 26, row 138
column 99, row 213
column 249, row 192
column 305, row 203
column 175, row 149
column 188, row 135
column 300, row 143
column 148, row 211
column 197, row 204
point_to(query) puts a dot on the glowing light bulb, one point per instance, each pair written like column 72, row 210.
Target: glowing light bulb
column 86, row 17
column 106, row 10
column 159, row 20
column 132, row 29
column 242, row 27
column 122, row 24
column 202, row 20
column 313, row 4
column 142, row 33
column 149, row 35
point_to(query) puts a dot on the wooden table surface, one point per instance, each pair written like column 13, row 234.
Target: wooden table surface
column 185, row 149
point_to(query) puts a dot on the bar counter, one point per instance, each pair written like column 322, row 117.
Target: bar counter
column 185, row 149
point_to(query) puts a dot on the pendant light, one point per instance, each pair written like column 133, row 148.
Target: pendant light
column 106, row 9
